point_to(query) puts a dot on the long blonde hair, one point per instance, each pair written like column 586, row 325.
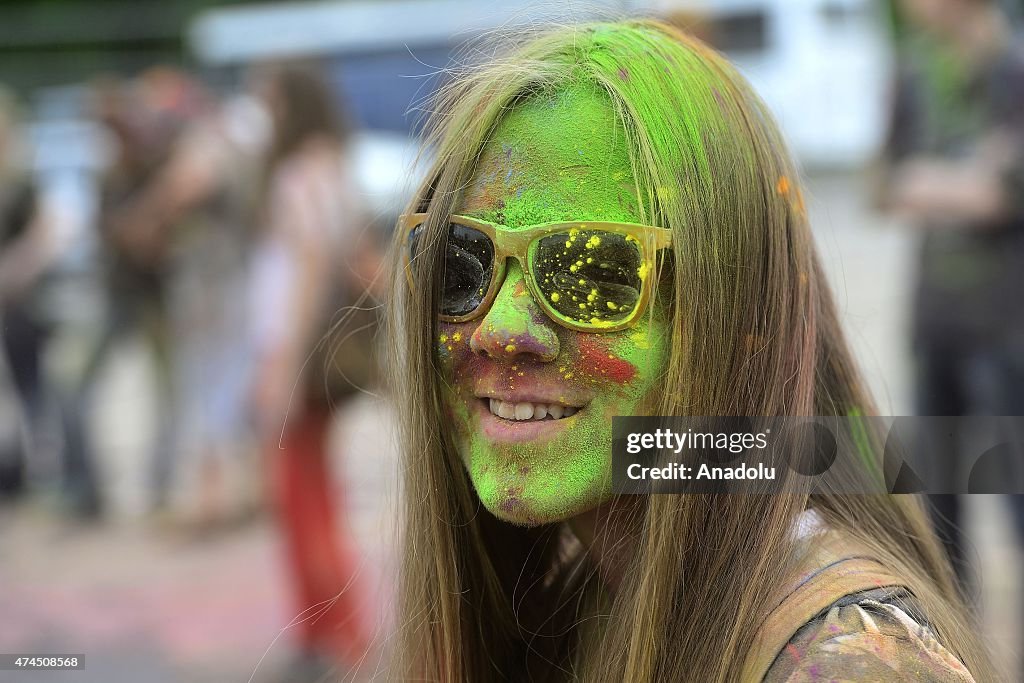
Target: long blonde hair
column 754, row 331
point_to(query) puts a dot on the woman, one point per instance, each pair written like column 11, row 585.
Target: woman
column 27, row 250
column 312, row 216
column 519, row 563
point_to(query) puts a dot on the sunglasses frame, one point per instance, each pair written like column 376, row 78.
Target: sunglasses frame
column 509, row 243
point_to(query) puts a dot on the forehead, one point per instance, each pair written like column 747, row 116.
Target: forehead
column 555, row 157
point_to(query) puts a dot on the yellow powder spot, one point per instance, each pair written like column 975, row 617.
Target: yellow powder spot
column 591, row 296
column 590, row 260
column 643, row 270
column 611, row 305
column 520, row 374
column 457, row 337
column 782, row 186
column 640, row 340
column 567, row 243
column 583, row 282
column 449, row 348
column 568, row 375
column 444, row 338
column 555, row 296
column 573, row 268
column 573, row 232
column 509, row 348
column 561, row 368
column 575, row 299
column 630, row 238
column 583, row 306
column 611, row 356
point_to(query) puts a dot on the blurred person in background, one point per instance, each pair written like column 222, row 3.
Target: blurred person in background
column 955, row 167
column 304, row 274
column 26, row 250
column 145, row 118
column 203, row 200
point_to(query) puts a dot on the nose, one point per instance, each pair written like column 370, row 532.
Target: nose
column 515, row 326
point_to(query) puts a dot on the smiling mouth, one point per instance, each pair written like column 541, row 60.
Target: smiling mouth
column 528, row 412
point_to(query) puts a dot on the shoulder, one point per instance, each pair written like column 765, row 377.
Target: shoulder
column 314, row 169
column 873, row 635
column 316, row 157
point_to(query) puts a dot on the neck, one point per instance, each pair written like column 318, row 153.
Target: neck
column 610, row 533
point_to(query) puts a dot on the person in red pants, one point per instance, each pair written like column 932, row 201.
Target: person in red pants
column 302, row 279
column 323, row 559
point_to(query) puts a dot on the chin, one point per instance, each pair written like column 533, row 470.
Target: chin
column 522, row 509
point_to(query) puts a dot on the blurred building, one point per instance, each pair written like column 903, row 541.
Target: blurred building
column 822, row 65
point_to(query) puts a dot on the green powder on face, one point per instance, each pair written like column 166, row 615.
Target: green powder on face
column 508, row 313
column 532, row 171
column 623, row 124
column 537, row 482
column 556, row 158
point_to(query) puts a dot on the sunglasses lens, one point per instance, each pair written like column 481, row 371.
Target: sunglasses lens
column 468, row 265
column 467, row 270
column 590, row 277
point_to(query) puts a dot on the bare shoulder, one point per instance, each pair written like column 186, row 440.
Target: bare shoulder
column 876, row 635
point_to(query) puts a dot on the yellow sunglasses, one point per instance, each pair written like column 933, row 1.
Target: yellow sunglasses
column 590, row 276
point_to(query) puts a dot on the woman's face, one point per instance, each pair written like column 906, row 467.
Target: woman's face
column 553, row 158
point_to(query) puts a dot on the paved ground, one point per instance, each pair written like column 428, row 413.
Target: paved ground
column 147, row 605
column 147, row 602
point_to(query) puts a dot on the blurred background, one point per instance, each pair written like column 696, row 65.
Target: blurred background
column 190, row 191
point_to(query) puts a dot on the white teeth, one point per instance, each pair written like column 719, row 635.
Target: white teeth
column 507, row 410
column 524, row 411
column 529, row 411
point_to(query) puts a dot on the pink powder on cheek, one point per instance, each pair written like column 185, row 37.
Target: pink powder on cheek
column 597, row 361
